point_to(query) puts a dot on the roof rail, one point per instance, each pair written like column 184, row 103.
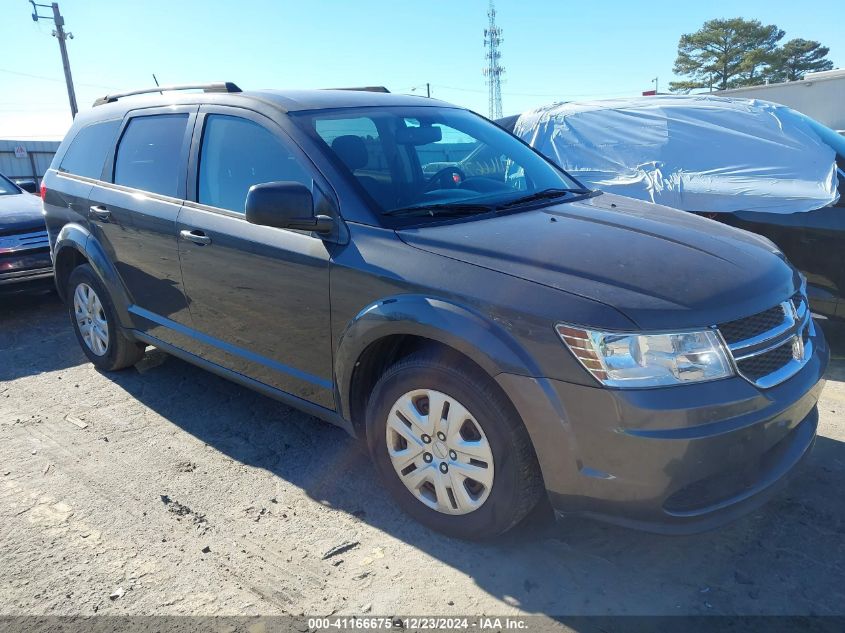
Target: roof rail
column 226, row 86
column 363, row 89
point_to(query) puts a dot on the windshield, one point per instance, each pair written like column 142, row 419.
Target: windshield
column 7, row 187
column 435, row 161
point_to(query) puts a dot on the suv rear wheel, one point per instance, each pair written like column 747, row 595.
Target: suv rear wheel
column 450, row 448
column 95, row 324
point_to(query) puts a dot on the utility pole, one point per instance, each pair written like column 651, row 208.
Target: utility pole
column 656, row 86
column 493, row 71
column 60, row 34
column 414, row 89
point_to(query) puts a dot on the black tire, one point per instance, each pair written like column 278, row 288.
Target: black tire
column 121, row 351
column 517, row 484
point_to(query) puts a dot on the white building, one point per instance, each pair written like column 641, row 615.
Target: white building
column 819, row 95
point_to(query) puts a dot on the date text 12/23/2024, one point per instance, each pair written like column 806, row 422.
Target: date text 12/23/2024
column 417, row 623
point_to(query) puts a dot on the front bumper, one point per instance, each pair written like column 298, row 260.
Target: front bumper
column 25, row 271
column 678, row 459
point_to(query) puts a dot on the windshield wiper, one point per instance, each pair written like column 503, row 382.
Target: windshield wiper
column 545, row 194
column 446, row 209
column 443, row 209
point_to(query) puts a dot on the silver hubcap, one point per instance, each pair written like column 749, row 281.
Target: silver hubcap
column 440, row 451
column 91, row 319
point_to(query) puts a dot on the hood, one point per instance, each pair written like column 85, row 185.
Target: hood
column 662, row 268
column 19, row 212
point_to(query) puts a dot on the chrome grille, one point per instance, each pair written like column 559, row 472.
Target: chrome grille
column 771, row 346
column 743, row 329
column 756, row 367
column 23, row 242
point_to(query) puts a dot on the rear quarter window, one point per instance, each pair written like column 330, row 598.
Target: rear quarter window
column 87, row 152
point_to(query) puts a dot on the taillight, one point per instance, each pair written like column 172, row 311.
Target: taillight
column 43, row 191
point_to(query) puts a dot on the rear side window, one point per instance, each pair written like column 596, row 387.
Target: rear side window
column 149, row 153
column 88, row 150
column 237, row 154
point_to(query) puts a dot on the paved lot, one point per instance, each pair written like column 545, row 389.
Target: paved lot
column 195, row 496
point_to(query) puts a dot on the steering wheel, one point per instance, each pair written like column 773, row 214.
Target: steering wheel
column 440, row 173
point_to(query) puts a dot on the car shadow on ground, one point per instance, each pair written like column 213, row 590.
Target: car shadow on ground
column 34, row 331
column 786, row 558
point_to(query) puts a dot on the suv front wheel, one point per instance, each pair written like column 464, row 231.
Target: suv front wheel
column 95, row 324
column 450, row 448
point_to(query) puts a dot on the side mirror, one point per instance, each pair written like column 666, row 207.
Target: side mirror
column 285, row 205
column 30, row 186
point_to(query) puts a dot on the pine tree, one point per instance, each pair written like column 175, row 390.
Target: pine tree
column 798, row 57
column 726, row 54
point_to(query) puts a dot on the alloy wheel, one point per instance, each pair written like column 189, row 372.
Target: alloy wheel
column 91, row 319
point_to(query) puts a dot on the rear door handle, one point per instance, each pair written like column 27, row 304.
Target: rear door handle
column 197, row 237
column 100, row 212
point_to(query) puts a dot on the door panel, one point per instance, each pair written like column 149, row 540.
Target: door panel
column 134, row 216
column 258, row 296
column 140, row 237
column 262, row 295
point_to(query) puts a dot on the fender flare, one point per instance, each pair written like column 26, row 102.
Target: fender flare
column 485, row 341
column 77, row 237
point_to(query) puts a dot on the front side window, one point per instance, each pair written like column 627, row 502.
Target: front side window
column 235, row 155
column 7, row 187
column 88, row 150
column 149, row 154
column 434, row 161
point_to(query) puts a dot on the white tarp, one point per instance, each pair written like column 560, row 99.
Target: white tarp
column 696, row 153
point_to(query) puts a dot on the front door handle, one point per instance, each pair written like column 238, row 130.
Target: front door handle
column 100, row 212
column 197, row 237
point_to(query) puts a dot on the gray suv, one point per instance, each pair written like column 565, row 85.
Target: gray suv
column 494, row 331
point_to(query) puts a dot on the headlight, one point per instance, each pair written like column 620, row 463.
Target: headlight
column 622, row 359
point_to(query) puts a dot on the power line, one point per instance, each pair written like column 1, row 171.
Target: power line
column 55, row 79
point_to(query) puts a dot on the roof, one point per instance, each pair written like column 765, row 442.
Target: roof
column 297, row 100
column 287, row 100
column 116, row 106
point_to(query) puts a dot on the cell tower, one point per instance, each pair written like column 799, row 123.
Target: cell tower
column 493, row 71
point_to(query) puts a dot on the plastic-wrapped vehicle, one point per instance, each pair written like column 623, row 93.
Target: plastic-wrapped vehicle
column 751, row 164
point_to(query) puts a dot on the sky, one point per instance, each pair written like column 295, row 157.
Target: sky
column 553, row 50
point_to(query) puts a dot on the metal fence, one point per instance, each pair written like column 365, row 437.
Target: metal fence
column 32, row 162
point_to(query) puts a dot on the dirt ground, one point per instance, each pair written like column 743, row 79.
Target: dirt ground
column 166, row 490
